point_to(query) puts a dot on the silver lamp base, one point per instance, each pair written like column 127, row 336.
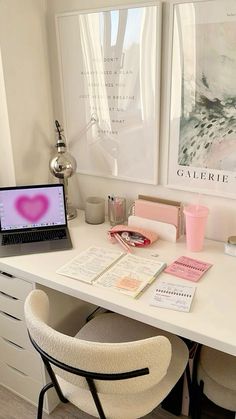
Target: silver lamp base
column 71, row 213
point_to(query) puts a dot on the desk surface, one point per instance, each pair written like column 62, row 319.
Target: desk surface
column 211, row 320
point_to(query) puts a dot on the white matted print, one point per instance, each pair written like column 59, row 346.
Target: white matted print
column 202, row 119
column 110, row 64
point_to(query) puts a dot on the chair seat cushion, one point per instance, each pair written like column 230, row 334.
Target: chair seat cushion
column 218, row 372
column 114, row 328
column 116, row 406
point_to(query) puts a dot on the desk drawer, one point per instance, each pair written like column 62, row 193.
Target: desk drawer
column 14, row 287
column 11, row 305
column 22, row 359
column 14, row 330
column 20, row 383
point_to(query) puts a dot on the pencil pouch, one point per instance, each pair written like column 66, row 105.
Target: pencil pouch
column 132, row 236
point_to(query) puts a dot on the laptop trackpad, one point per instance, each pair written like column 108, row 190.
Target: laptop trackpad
column 35, row 247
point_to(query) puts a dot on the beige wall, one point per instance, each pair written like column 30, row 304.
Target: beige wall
column 27, row 86
column 28, row 91
column 7, row 170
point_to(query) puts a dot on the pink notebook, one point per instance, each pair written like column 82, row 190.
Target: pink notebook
column 157, row 211
column 188, row 268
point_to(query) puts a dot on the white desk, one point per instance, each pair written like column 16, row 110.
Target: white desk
column 213, row 312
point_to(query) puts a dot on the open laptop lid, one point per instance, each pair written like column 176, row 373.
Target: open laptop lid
column 26, row 208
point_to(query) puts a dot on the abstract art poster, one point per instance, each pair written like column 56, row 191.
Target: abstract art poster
column 202, row 92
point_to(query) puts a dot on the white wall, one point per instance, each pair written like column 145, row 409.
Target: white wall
column 27, row 87
column 222, row 219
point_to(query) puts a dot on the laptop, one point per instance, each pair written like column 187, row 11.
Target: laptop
column 33, row 220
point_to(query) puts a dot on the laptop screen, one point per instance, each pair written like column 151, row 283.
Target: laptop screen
column 30, row 207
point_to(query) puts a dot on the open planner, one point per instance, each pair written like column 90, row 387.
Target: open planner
column 122, row 272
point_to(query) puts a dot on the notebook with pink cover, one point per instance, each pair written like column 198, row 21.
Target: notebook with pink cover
column 188, row 268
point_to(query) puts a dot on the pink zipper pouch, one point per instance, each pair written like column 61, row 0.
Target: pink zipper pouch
column 132, row 236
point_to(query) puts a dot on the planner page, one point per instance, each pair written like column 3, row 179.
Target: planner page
column 91, row 263
column 131, row 274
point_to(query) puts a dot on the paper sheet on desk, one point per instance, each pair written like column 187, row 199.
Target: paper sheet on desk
column 188, row 268
column 173, row 296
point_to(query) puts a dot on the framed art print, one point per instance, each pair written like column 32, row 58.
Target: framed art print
column 202, row 97
column 109, row 64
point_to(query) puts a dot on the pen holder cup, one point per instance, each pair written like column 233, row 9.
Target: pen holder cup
column 116, row 210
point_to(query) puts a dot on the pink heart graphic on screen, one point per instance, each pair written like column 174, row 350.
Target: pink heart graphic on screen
column 32, row 209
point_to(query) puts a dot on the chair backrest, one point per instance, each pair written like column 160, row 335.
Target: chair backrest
column 153, row 353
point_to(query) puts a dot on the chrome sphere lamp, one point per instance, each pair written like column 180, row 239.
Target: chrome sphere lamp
column 63, row 165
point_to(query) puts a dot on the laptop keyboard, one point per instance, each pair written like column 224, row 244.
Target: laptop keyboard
column 33, row 236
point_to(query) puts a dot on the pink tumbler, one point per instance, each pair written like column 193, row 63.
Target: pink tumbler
column 196, row 218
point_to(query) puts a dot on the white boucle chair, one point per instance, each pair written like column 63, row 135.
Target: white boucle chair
column 115, row 367
column 214, row 376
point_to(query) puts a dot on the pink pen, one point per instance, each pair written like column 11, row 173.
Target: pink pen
column 122, row 242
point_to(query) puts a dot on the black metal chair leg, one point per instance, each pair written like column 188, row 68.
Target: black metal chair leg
column 96, row 399
column 41, row 398
column 196, row 401
column 200, row 399
column 196, row 391
column 192, row 401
